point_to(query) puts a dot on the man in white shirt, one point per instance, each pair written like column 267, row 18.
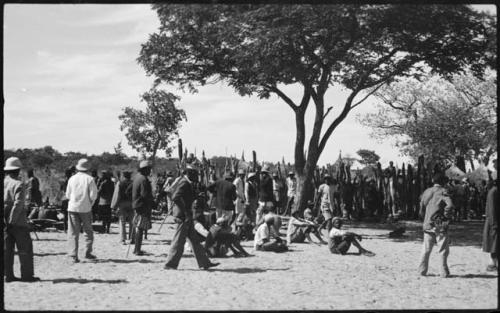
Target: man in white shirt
column 327, row 200
column 262, row 240
column 239, row 182
column 291, row 184
column 339, row 241
column 299, row 229
column 81, row 193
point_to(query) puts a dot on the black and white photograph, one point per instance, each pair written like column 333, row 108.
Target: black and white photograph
column 219, row 156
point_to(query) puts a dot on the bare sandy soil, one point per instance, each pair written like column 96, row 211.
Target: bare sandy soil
column 306, row 277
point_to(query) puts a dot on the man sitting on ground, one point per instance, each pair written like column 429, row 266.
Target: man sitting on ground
column 340, row 241
column 263, row 239
column 299, row 229
column 220, row 238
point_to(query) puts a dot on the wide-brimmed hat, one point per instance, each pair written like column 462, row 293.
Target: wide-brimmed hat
column 251, row 175
column 191, row 167
column 275, row 174
column 12, row 163
column 145, row 163
column 229, row 175
column 265, row 169
column 241, row 172
column 291, row 173
column 83, row 165
column 169, row 173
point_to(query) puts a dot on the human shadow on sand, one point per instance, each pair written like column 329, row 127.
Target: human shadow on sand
column 157, row 242
column 474, row 276
column 124, row 261
column 243, row 270
column 50, row 239
column 50, row 253
column 88, row 281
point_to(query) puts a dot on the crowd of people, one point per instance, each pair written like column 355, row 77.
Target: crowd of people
column 250, row 206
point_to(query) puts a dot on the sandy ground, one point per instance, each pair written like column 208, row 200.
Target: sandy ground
column 307, row 277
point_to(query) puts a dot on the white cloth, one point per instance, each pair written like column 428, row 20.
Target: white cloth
column 334, row 232
column 326, row 195
column 81, row 192
column 261, row 234
column 291, row 184
column 239, row 203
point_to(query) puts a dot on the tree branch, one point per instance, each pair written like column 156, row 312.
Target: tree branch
column 282, row 96
column 369, row 94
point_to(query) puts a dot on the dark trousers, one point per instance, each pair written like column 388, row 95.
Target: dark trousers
column 185, row 230
column 18, row 237
column 105, row 215
column 138, row 239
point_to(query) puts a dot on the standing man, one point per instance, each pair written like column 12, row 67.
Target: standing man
column 327, row 204
column 437, row 206
column 142, row 203
column 183, row 198
column 81, row 192
column 122, row 201
column 252, row 195
column 64, row 204
column 239, row 183
column 291, row 184
column 266, row 197
column 490, row 230
column 16, row 231
column 34, row 196
column 105, row 190
column 225, row 193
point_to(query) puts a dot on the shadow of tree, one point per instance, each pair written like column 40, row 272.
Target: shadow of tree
column 87, row 281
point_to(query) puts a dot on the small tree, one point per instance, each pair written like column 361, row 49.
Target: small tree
column 368, row 157
column 153, row 129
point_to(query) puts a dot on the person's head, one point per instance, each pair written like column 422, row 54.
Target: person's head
column 145, row 167
column 30, row 172
column 269, row 219
column 308, row 214
column 337, row 222
column 275, row 175
column 83, row 165
column 265, row 171
column 327, row 179
column 93, row 173
column 68, row 172
column 439, row 178
column 104, row 174
column 241, row 173
column 310, row 204
column 13, row 167
column 222, row 221
column 291, row 175
column 192, row 173
column 229, row 176
column 126, row 174
column 170, row 174
column 391, row 164
column 251, row 176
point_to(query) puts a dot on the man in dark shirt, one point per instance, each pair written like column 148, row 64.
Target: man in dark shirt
column 105, row 189
column 183, row 198
column 34, row 196
column 266, row 196
column 225, row 194
column 142, row 203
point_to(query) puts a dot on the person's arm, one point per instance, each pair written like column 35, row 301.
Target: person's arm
column 178, row 197
column 247, row 197
column 93, row 192
column 29, row 188
column 116, row 196
column 18, row 205
column 423, row 203
column 233, row 193
column 448, row 205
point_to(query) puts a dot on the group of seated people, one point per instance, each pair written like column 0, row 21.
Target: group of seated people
column 220, row 238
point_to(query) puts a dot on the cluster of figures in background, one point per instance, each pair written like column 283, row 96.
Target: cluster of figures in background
column 215, row 216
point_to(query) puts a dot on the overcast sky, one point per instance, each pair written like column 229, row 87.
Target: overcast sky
column 69, row 70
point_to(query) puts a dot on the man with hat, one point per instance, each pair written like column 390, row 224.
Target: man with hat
column 266, row 197
column 183, row 198
column 437, row 206
column 225, row 194
column 122, row 201
column 142, row 203
column 291, row 184
column 327, row 200
column 16, row 229
column 81, row 192
column 105, row 189
column 239, row 183
column 251, row 195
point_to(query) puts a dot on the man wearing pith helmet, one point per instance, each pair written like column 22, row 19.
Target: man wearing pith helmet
column 142, row 203
column 183, row 198
column 16, row 230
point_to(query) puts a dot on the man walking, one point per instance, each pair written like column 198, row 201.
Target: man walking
column 16, row 230
column 122, row 201
column 437, row 206
column 81, row 193
column 183, row 198
column 142, row 203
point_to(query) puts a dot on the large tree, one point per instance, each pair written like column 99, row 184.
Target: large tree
column 152, row 129
column 256, row 49
column 440, row 119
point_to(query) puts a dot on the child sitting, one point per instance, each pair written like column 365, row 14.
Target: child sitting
column 263, row 241
column 340, row 241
